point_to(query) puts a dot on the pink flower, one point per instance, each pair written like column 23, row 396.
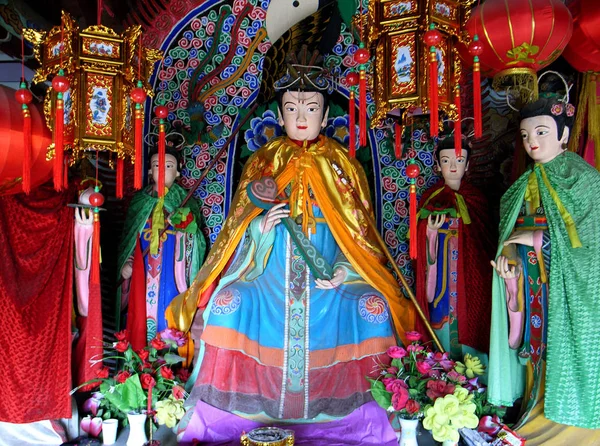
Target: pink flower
column 92, row 426
column 423, row 367
column 387, row 381
column 177, row 338
column 400, row 398
column 396, row 385
column 415, row 348
column 93, row 404
column 412, row 336
column 439, row 389
column 396, row 352
column 412, row 406
column 392, row 370
column 456, row 377
column 442, row 359
column 490, row 425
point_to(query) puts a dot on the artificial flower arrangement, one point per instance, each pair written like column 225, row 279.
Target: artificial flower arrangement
column 149, row 381
column 421, row 384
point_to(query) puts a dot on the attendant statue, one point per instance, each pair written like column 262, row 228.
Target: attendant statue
column 279, row 344
column 545, row 338
column 455, row 242
column 173, row 258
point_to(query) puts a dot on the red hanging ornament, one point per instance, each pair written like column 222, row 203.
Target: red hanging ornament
column 120, row 175
column 138, row 95
column 361, row 57
column 351, row 81
column 457, row 123
column 476, row 49
column 432, row 39
column 60, row 84
column 398, row 140
column 161, row 113
column 412, row 172
column 96, row 200
column 24, row 97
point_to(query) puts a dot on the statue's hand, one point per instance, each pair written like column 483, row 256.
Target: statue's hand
column 503, row 269
column 339, row 275
column 520, row 237
column 273, row 217
column 127, row 270
column 84, row 218
column 435, row 223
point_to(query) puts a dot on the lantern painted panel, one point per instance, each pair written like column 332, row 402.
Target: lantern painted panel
column 445, row 11
column 403, row 66
column 399, row 8
column 99, row 93
column 100, row 47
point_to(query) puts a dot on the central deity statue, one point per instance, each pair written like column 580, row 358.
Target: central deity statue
column 282, row 342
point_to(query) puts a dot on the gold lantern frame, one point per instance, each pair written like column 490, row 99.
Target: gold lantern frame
column 102, row 69
column 398, row 26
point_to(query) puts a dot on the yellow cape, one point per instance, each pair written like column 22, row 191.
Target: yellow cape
column 303, row 168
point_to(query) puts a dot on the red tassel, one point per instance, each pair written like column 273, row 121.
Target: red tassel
column 26, row 149
column 352, row 125
column 162, row 143
column 95, row 272
column 433, row 94
column 59, row 126
column 477, row 98
column 398, row 140
column 138, row 170
column 120, row 172
column 413, row 221
column 457, row 124
column 362, row 106
column 66, row 173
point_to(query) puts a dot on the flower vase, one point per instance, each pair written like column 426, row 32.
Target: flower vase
column 137, row 429
column 408, row 435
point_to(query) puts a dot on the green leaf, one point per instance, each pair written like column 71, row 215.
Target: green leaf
column 133, row 394
column 380, row 395
column 172, row 358
column 397, row 363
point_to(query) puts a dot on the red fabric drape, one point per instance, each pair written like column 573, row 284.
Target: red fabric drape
column 476, row 245
column 136, row 317
column 36, row 253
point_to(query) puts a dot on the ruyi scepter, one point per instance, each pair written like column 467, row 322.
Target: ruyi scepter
column 346, row 181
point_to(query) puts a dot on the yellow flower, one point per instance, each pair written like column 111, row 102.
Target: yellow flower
column 471, row 367
column 462, row 395
column 444, row 433
column 169, row 411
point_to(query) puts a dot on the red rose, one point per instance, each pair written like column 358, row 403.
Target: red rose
column 400, row 398
column 178, row 392
column 183, row 375
column 122, row 376
column 439, row 389
column 158, row 343
column 103, row 372
column 412, row 336
column 122, row 335
column 167, row 373
column 387, row 381
column 415, row 348
column 396, row 352
column 395, row 386
column 147, row 381
column 121, row 346
column 423, row 367
column 145, row 365
column 412, row 406
column 143, row 354
column 392, row 370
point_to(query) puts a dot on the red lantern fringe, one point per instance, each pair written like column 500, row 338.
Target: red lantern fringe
column 162, row 144
column 362, row 106
column 138, row 168
column 352, row 125
column 477, row 100
column 66, row 173
column 27, row 150
column 95, row 271
column 433, row 94
column 59, row 126
column 398, row 140
column 413, row 221
column 120, row 173
column 457, row 124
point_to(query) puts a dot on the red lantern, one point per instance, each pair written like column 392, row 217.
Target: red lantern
column 23, row 96
column 517, row 34
column 583, row 50
column 12, row 150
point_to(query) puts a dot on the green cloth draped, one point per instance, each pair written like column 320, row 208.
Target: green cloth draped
column 573, row 356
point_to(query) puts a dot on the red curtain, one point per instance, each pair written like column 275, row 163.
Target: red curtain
column 36, row 273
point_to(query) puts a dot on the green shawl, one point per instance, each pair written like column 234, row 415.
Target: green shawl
column 573, row 338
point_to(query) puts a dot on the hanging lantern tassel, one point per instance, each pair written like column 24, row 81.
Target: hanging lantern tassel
column 476, row 49
column 361, row 57
column 120, row 174
column 352, row 125
column 66, row 172
column 412, row 172
column 96, row 200
column 161, row 112
column 138, row 95
column 398, row 140
column 24, row 97
column 433, row 93
column 457, row 124
column 60, row 84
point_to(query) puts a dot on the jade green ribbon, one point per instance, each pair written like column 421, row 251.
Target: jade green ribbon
column 158, row 224
column 461, row 206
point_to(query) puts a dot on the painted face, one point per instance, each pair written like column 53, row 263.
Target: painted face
column 302, row 114
column 171, row 171
column 540, row 138
column 453, row 168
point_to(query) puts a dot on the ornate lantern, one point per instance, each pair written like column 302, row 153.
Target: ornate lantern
column 519, row 38
column 95, row 71
column 410, row 52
